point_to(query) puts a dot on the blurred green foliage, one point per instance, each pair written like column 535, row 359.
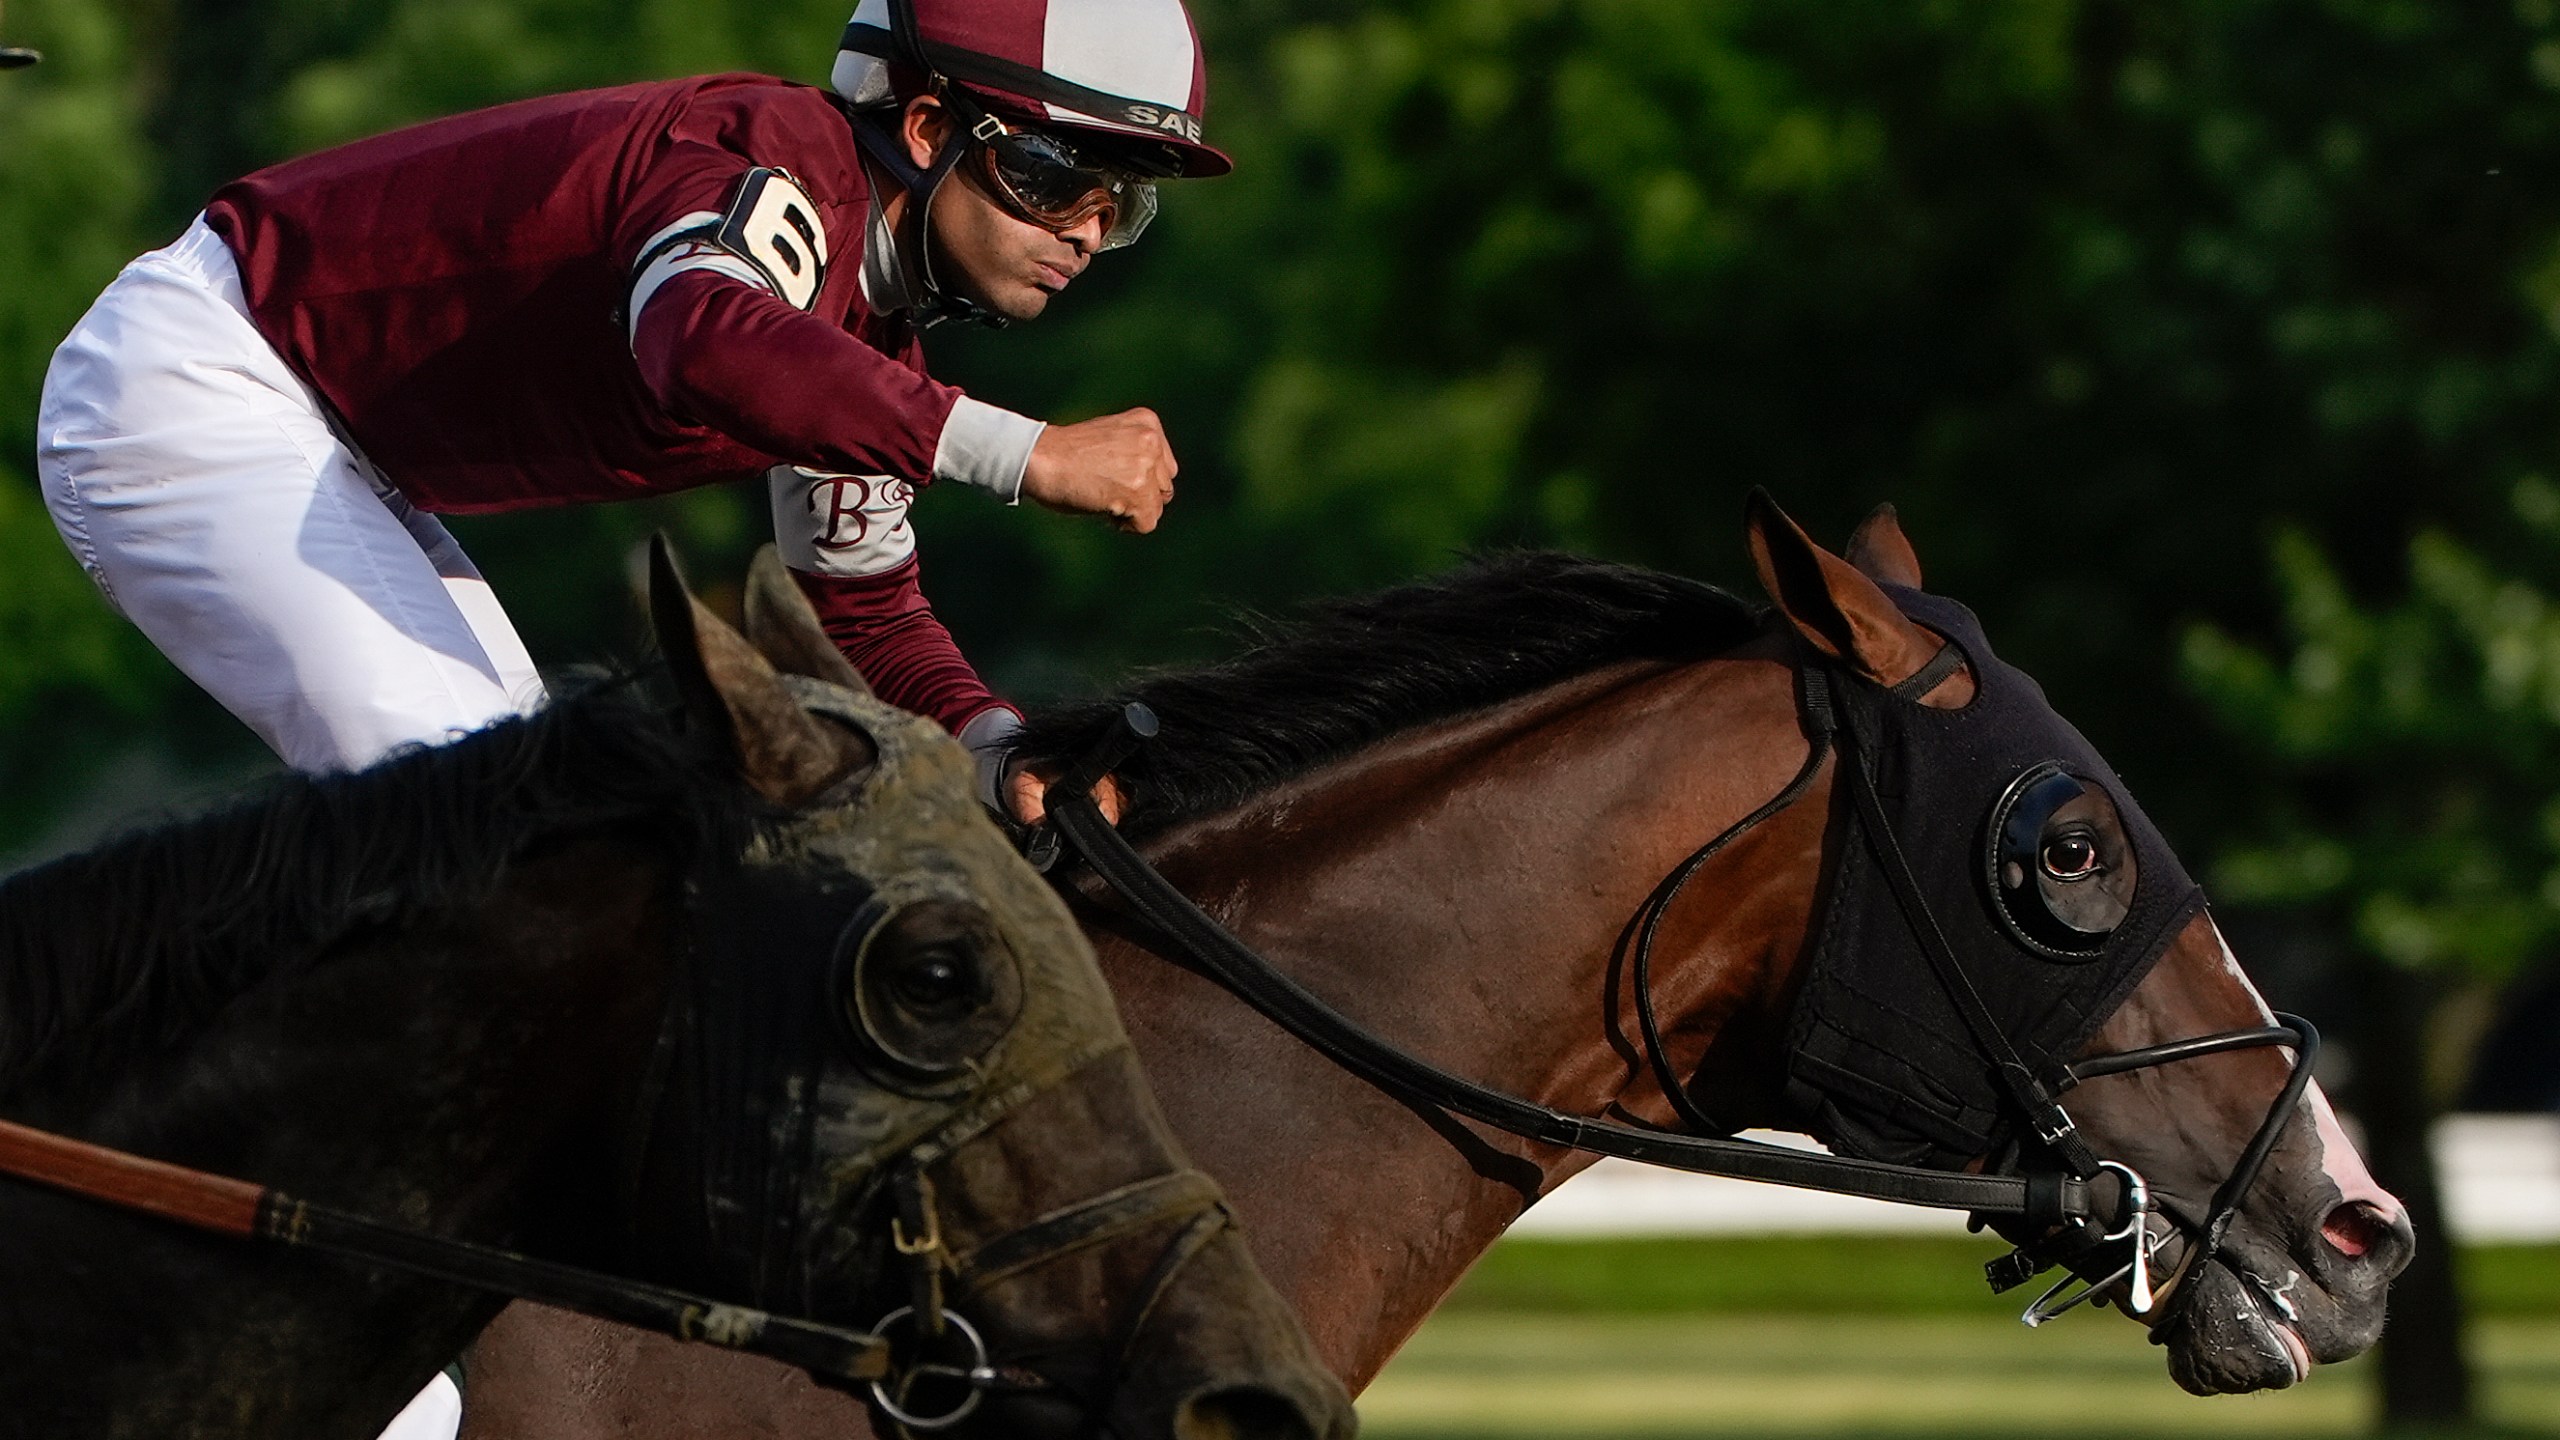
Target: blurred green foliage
column 2411, row 748
column 2101, row 293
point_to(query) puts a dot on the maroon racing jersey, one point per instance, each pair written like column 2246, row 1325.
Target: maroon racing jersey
column 609, row 294
column 457, row 292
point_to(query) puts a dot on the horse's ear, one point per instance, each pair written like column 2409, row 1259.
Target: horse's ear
column 730, row 692
column 785, row 626
column 1837, row 610
column 1882, row 552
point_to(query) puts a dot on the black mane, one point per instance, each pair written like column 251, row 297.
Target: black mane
column 1346, row 673
column 125, row 946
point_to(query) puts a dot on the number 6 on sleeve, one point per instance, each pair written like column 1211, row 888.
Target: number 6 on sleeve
column 773, row 226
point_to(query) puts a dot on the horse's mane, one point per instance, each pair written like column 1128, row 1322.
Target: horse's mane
column 123, row 947
column 1344, row 674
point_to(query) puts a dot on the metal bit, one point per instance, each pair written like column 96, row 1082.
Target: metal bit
column 2141, row 1266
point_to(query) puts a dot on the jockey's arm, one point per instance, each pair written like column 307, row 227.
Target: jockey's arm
column 715, row 343
column 737, row 358
column 885, row 626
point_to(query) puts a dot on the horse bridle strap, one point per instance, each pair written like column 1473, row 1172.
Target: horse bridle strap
column 1233, row 964
column 1187, row 1198
column 2070, row 1201
column 1176, row 1194
column 236, row 1208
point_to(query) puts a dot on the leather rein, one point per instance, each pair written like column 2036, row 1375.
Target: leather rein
column 242, row 1210
column 2077, row 1210
column 847, row 1358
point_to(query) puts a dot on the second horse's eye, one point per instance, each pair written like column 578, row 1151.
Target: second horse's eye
column 2070, row 857
column 934, row 983
column 926, row 991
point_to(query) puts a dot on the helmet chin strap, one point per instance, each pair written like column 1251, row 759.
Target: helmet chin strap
column 879, row 131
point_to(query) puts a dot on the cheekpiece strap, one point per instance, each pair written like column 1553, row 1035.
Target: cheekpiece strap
column 2047, row 1121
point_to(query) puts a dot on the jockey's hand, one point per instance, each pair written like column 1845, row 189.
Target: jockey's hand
column 1115, row 465
column 1030, row 790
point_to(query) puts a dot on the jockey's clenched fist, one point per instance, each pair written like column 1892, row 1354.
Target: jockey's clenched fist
column 1115, row 465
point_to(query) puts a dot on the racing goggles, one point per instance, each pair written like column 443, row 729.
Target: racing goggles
column 1043, row 180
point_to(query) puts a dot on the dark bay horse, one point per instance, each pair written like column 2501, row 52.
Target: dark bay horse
column 1443, row 809
column 728, row 999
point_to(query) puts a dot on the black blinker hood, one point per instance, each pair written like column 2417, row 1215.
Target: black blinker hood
column 1883, row 1063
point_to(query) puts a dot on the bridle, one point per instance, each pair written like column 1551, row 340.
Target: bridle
column 2071, row 1207
column 1186, row 1198
column 888, row 1361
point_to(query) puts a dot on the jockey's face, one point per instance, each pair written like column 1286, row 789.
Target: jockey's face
column 981, row 250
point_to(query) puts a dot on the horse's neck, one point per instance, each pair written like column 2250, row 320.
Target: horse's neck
column 427, row 1078
column 1465, row 890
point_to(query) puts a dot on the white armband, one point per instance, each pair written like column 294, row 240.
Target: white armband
column 986, row 447
column 685, row 245
column 769, row 238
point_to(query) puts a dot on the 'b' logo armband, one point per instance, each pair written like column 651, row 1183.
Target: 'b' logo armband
column 840, row 525
column 773, row 225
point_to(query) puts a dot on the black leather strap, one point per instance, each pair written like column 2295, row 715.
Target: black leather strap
column 846, row 1356
column 2035, row 1101
column 1194, row 1237
column 1176, row 1194
column 1815, row 686
column 1192, row 935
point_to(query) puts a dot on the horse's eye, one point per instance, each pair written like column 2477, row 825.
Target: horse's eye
column 2071, row 856
column 926, row 990
column 2062, row 868
column 937, row 983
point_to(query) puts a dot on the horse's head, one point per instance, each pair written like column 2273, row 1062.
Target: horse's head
column 1998, row 919
column 896, row 1093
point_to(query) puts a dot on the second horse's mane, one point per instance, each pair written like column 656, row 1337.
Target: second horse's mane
column 1344, row 674
column 130, row 944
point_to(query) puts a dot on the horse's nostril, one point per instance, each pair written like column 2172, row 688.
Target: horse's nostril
column 1246, row 1412
column 2356, row 1229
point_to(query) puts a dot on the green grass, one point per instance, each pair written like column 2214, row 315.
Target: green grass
column 1887, row 1337
column 1483, row 1375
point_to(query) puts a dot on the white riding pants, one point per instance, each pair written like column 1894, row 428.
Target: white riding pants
column 203, row 487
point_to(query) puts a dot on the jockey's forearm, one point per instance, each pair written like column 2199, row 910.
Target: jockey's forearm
column 885, row 626
column 737, row 359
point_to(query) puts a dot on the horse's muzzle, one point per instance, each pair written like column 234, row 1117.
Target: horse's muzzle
column 1260, row 1412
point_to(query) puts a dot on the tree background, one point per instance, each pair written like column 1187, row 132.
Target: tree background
column 2207, row 346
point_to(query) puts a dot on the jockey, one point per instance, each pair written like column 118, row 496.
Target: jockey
column 624, row 292
column 247, row 440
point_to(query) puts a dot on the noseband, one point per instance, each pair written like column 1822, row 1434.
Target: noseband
column 2071, row 1207
column 1186, row 1198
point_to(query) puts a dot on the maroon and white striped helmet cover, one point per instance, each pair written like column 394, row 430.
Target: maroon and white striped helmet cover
column 1125, row 67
